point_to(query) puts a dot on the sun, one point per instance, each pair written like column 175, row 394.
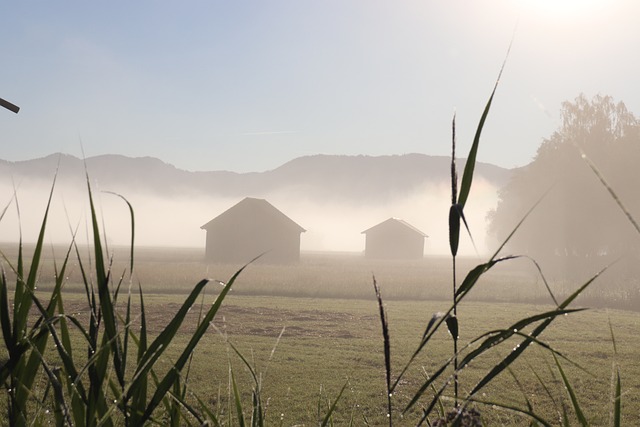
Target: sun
column 563, row 9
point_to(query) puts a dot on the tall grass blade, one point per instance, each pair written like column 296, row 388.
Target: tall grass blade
column 434, row 318
column 98, row 371
column 572, row 395
column 454, row 170
column 387, row 346
column 5, row 320
column 544, row 279
column 494, row 338
column 474, row 275
column 139, row 394
column 257, row 417
column 238, row 400
column 440, row 404
column 616, row 414
column 425, row 386
column 491, row 339
column 159, row 345
column 6, row 207
column 454, row 229
column 190, row 410
column 61, row 405
column 521, row 388
column 467, row 176
column 133, row 229
column 452, row 326
column 22, row 300
column 518, row 350
column 613, row 194
column 531, row 415
column 23, row 372
column 617, row 402
column 164, row 339
column 328, row 417
column 207, row 412
column 467, row 285
column 454, row 212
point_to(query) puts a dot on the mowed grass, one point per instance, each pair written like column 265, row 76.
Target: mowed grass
column 332, row 335
column 327, row 342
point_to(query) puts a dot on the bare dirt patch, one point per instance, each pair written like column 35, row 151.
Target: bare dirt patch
column 256, row 321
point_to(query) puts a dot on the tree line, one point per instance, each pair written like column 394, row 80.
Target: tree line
column 577, row 227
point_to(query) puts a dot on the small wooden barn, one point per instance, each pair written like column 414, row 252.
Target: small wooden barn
column 394, row 239
column 250, row 228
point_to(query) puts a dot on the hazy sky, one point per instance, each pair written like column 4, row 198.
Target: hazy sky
column 249, row 85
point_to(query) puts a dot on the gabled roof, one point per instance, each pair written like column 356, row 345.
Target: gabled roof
column 391, row 222
column 255, row 208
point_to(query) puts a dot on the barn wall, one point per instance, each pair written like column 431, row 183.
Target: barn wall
column 243, row 239
column 393, row 242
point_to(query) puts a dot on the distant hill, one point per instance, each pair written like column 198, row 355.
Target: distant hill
column 357, row 179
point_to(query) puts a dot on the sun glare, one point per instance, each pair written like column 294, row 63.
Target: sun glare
column 563, row 9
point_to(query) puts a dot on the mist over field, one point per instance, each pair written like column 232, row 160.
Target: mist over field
column 333, row 211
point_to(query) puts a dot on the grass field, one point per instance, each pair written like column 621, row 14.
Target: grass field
column 329, row 341
column 335, row 275
column 332, row 335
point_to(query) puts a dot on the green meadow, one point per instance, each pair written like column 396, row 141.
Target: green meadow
column 309, row 329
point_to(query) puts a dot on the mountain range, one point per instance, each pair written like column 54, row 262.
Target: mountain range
column 358, row 179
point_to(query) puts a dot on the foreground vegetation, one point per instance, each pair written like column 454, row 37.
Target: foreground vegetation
column 329, row 341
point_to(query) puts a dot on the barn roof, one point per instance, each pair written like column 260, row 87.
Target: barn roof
column 392, row 221
column 256, row 208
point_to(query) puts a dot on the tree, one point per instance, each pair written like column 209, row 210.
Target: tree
column 577, row 227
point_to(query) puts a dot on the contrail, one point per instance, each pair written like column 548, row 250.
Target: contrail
column 273, row 132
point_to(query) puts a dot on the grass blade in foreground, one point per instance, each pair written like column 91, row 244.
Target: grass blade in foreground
column 574, row 400
column 174, row 372
column 332, row 408
column 467, row 176
column 387, row 347
column 237, row 399
column 18, row 373
column 518, row 350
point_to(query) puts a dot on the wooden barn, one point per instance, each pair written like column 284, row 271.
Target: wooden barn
column 394, row 239
column 250, row 228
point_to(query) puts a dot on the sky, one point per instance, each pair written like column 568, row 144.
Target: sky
column 249, row 85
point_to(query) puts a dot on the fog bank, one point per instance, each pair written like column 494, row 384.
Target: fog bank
column 175, row 221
